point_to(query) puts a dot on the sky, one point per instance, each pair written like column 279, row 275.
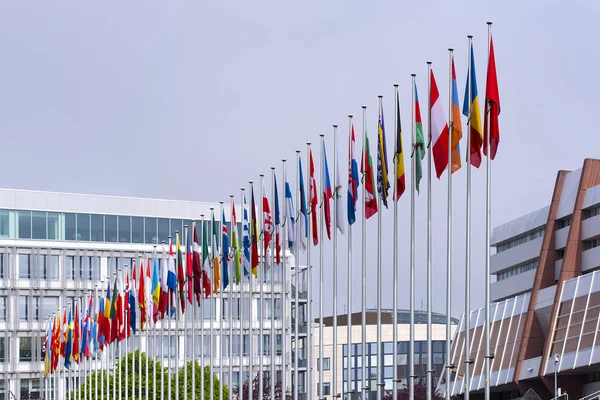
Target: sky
column 191, row 100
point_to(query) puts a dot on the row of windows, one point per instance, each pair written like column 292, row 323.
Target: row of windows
column 590, row 244
column 388, row 348
column 41, row 225
column 564, row 222
column 528, row 266
column 591, row 212
column 524, row 238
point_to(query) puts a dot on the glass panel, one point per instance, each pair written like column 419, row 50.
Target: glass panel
column 38, row 224
column 23, row 314
column 69, row 226
column 24, row 218
column 4, row 223
column 25, row 351
column 97, row 228
column 163, row 230
column 49, row 306
column 53, row 226
column 51, row 267
column 83, row 227
column 124, row 229
column 24, row 266
column 150, row 233
column 137, row 230
column 110, row 228
column 176, row 225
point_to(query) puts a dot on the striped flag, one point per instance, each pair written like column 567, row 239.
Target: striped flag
column 383, row 182
column 215, row 256
column 399, row 154
column 303, row 212
column 352, row 179
column 456, row 124
column 253, row 234
column 419, row 150
column 205, row 261
column 340, row 221
column 267, row 228
column 277, row 224
column 225, row 249
column 472, row 112
column 326, row 193
column 234, row 245
column 369, row 179
column 291, row 217
column 246, row 239
column 439, row 128
column 197, row 267
column 314, row 200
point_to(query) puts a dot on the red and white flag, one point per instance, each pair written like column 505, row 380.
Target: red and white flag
column 439, row 129
column 267, row 227
column 314, row 200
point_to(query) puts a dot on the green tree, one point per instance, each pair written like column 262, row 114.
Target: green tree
column 207, row 376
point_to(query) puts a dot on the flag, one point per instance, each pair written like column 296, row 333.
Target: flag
column 132, row 302
column 235, row 246
column 419, row 150
column 253, row 234
column 303, row 211
column 46, row 348
column 171, row 274
column 267, row 228
column 327, row 193
column 107, row 316
column 114, row 323
column 100, row 322
column 277, row 224
column 492, row 106
column 180, row 274
column 215, row 256
column 456, row 124
column 142, row 297
column 156, row 288
column 291, row 217
column 197, row 267
column 55, row 342
column 189, row 267
column 383, row 182
column 367, row 170
column 314, row 201
column 87, row 324
column 352, row 179
column 64, row 328
column 205, row 260
column 148, row 290
column 120, row 311
column 340, row 222
column 69, row 341
column 472, row 112
column 76, row 335
column 439, row 128
column 399, row 154
column 225, row 249
column 246, row 239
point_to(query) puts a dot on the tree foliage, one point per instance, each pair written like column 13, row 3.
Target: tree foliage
column 266, row 390
column 420, row 393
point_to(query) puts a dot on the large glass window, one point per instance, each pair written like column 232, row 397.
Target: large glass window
column 83, row 227
column 24, row 218
column 30, row 389
column 70, row 224
column 85, row 267
column 3, row 357
column 124, row 229
column 2, row 308
column 53, row 226
column 38, row 225
column 97, row 228
column 50, row 270
column 23, row 308
column 70, row 267
column 163, row 230
column 176, row 226
column 110, row 228
column 24, row 266
column 137, row 230
column 4, row 223
column 150, row 233
column 25, row 349
column 49, row 305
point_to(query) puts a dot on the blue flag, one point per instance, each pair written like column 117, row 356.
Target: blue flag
column 303, row 212
column 225, row 249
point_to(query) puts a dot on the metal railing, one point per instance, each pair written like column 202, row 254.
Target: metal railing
column 592, row 396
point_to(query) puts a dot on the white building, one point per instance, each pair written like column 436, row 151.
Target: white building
column 54, row 248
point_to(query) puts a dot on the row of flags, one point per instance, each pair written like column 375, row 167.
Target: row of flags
column 157, row 283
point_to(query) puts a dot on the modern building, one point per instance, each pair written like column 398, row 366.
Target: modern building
column 546, row 298
column 55, row 248
column 350, row 373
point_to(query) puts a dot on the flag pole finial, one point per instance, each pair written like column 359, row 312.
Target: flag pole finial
column 489, row 22
column 185, row 226
column 470, row 36
column 335, row 125
column 413, row 75
column 364, row 107
column 220, row 202
column 350, row 115
column 322, row 135
column 380, row 96
column 308, row 143
column 272, row 168
column 395, row 85
column 298, row 151
column 450, row 49
column 262, row 175
column 201, row 215
column 283, row 159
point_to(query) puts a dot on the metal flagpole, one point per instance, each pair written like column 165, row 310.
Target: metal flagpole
column 284, row 245
column 250, row 307
column 241, row 294
column 114, row 348
column 119, row 342
column 171, row 330
column 146, row 325
column 488, row 222
column 162, row 326
column 379, row 234
column 178, row 310
column 151, row 317
column 210, row 318
column 364, row 260
column 449, row 235
column 309, row 338
column 194, row 324
column 297, row 278
column 204, row 300
column 221, row 314
column 467, row 378
column 261, row 281
column 321, row 277
column 334, row 227
column 413, row 167
column 429, row 296
column 395, row 251
column 272, row 374
column 125, row 328
column 231, row 274
column 96, row 352
column 183, row 317
column 349, row 273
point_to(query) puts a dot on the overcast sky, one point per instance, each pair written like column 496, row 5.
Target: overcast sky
column 191, row 101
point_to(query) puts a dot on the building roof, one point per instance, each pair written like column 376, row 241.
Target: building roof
column 403, row 317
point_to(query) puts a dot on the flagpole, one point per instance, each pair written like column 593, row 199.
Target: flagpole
column 185, row 286
column 272, row 374
column 309, row 338
column 162, row 328
column 429, row 195
column 411, row 367
column 194, row 323
column 125, row 333
column 488, row 222
column 261, row 281
column 284, row 245
column 96, row 350
column 379, row 234
column 334, row 227
column 250, row 306
column 210, row 319
column 155, row 254
column 203, row 299
column 241, row 308
column 395, row 253
column 221, row 316
column 297, row 278
column 145, row 334
column 364, row 260
column 467, row 378
column 449, row 236
column 349, row 273
column 231, row 264
column 321, row 277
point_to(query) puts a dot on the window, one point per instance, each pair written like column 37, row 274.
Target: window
column 70, row 268
column 137, row 230
column 38, row 225
column 163, row 229
column 49, row 306
column 70, row 227
column 50, row 267
column 110, row 228
column 326, row 389
column 3, row 351
column 528, row 266
column 326, row 362
column 564, row 222
column 24, row 219
column 30, row 389
column 24, row 266
column 97, row 228
column 4, row 223
column 2, row 270
column 23, row 308
column 518, row 240
column 2, row 308
column 124, row 229
column 25, row 349
column 177, row 226
column 590, row 244
column 150, row 232
column 83, row 227
column 591, row 212
column 85, row 267
column 53, row 226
